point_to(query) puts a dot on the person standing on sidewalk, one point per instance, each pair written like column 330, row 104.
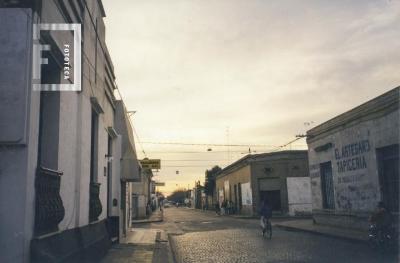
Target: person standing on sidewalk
column 217, row 210
column 223, row 207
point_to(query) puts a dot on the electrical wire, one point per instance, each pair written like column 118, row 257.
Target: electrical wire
column 187, row 166
column 138, row 140
column 223, row 151
column 211, row 144
column 196, row 160
column 286, row 144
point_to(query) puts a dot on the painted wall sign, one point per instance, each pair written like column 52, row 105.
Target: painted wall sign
column 314, row 171
column 351, row 156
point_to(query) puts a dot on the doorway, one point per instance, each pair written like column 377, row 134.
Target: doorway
column 388, row 170
column 273, row 198
column 240, row 196
column 328, row 200
column 236, row 198
column 135, row 207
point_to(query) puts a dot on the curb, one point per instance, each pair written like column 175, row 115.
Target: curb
column 162, row 250
column 176, row 258
column 147, row 221
column 295, row 229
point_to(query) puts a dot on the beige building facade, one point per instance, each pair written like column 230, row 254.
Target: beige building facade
column 254, row 178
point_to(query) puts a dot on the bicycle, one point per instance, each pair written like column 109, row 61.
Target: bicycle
column 267, row 228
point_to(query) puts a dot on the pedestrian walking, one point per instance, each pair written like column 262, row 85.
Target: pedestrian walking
column 223, row 207
column 217, row 210
column 228, row 207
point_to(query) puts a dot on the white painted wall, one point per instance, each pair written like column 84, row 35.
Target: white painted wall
column 17, row 161
column 142, row 202
column 365, row 192
column 129, row 208
column 116, row 182
column 299, row 195
column 74, row 160
column 84, row 107
column 102, row 165
column 68, row 156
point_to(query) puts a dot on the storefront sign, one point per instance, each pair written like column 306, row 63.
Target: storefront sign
column 150, row 163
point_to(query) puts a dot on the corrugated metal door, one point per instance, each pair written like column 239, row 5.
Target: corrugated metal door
column 328, row 200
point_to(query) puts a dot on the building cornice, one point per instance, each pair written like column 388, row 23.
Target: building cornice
column 375, row 108
column 255, row 158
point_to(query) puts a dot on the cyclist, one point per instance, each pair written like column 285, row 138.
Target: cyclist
column 382, row 218
column 265, row 213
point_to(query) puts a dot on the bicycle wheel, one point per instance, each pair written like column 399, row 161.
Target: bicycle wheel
column 268, row 231
column 264, row 227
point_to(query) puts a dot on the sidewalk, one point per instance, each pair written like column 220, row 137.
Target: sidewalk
column 156, row 216
column 307, row 225
column 142, row 245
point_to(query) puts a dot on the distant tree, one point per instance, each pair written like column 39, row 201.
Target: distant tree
column 198, row 194
column 209, row 185
column 178, row 195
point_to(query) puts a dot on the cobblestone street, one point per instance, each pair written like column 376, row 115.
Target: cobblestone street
column 125, row 124
column 198, row 236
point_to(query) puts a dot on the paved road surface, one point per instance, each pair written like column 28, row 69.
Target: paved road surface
column 199, row 236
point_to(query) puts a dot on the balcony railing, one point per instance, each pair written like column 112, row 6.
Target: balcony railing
column 49, row 208
column 95, row 207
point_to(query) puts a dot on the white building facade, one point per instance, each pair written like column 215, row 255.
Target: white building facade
column 141, row 195
column 354, row 163
column 60, row 154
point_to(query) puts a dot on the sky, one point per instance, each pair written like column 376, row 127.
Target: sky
column 254, row 73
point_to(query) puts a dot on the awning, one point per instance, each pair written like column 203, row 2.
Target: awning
column 130, row 167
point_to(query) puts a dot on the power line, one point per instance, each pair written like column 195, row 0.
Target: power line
column 286, row 144
column 195, row 160
column 179, row 152
column 222, row 151
column 138, row 139
column 212, row 144
column 187, row 166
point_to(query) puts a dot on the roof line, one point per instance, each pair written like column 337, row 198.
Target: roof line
column 256, row 156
